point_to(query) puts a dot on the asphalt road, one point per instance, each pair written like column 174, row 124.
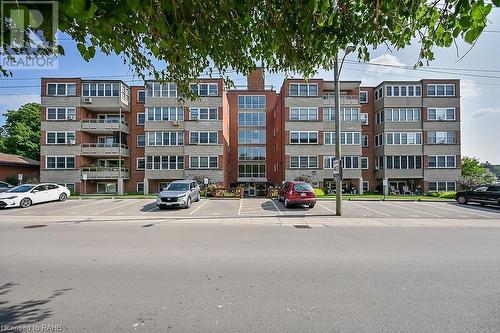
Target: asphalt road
column 123, row 277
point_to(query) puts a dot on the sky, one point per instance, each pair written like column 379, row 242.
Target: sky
column 478, row 70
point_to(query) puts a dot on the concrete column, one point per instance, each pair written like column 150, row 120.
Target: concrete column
column 120, row 186
column 360, row 187
column 386, row 187
column 146, row 186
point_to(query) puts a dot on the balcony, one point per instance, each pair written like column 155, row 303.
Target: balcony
column 345, row 100
column 104, row 126
column 96, row 173
column 104, row 149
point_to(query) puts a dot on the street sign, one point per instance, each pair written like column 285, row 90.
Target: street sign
column 385, row 182
column 84, row 176
column 205, row 181
column 336, row 168
column 19, row 176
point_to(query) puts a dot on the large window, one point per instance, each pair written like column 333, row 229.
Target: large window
column 251, row 153
column 204, row 89
column 442, row 161
column 304, row 162
column 61, row 113
column 60, row 138
column 346, row 138
column 251, row 136
column 141, row 163
column 203, row 162
column 403, row 162
column 61, row 89
column 141, row 140
column 101, row 89
column 303, row 89
column 165, row 138
column 441, row 137
column 402, row 115
column 304, row 114
column 441, row 90
column 164, row 162
column 251, row 102
column 403, row 91
column 442, row 186
column 348, row 162
column 405, row 138
column 203, row 114
column 155, row 89
column 252, row 170
column 205, row 137
column 346, row 114
column 441, row 114
column 59, row 162
column 251, row 119
column 303, row 137
column 363, row 96
column 165, row 114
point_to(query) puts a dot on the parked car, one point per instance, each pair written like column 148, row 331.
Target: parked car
column 484, row 195
column 179, row 193
column 28, row 194
column 5, row 186
column 297, row 193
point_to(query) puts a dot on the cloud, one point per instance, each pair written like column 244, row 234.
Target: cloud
column 469, row 88
column 10, row 102
column 485, row 112
column 389, row 60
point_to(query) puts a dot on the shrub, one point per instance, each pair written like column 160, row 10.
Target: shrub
column 447, row 195
column 319, row 192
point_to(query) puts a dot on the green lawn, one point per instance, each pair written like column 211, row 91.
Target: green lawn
column 387, row 197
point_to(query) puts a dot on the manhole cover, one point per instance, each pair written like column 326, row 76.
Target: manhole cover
column 302, row 226
column 35, row 226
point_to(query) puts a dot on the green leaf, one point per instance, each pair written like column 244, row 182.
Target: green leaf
column 82, row 48
column 472, row 35
column 133, row 4
column 496, row 2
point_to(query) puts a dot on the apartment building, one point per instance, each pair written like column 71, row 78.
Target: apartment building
column 106, row 137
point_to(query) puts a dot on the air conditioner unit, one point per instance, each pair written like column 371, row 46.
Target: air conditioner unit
column 71, row 118
column 87, row 100
column 175, row 123
column 71, row 142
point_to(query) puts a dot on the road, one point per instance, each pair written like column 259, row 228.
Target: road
column 124, row 277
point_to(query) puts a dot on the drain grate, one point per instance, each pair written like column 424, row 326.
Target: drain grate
column 302, row 226
column 35, row 226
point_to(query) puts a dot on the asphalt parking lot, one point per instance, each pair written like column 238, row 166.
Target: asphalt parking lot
column 258, row 207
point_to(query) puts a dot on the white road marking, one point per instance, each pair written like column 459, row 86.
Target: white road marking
column 194, row 211
column 328, row 209
column 411, row 209
column 73, row 207
column 239, row 210
column 120, row 206
column 281, row 213
column 459, row 210
column 370, row 209
column 151, row 209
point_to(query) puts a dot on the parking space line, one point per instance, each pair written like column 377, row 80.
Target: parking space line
column 281, row 213
column 461, row 210
column 73, row 206
column 194, row 211
column 239, row 210
column 370, row 209
column 411, row 210
column 120, row 206
column 328, row 209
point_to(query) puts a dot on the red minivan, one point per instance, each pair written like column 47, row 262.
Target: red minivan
column 297, row 193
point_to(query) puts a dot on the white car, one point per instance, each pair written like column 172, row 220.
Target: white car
column 27, row 194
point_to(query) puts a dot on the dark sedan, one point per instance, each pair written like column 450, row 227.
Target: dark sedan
column 484, row 195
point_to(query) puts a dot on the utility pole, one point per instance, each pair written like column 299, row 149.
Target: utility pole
column 120, row 181
column 338, row 180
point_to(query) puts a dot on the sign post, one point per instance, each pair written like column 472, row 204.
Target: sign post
column 20, row 178
column 84, row 178
column 385, row 186
column 205, row 182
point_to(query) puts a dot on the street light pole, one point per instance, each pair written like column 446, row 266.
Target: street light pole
column 338, row 181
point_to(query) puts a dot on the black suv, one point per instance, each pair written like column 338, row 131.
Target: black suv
column 485, row 195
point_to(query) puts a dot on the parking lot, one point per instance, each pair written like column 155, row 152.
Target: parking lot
column 259, row 207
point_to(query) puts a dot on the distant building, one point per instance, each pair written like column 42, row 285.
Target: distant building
column 12, row 165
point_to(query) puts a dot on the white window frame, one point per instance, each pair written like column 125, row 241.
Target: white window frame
column 66, row 140
column 439, row 111
column 199, row 158
column 261, row 121
column 209, row 90
column 57, row 113
column 379, row 140
column 137, row 140
column 251, row 105
column 251, row 152
column 137, row 187
column 379, row 93
column 179, row 138
column 169, row 92
column 438, row 135
column 251, row 174
column 390, row 138
column 365, row 99
column 65, row 162
column 137, row 163
column 446, row 164
column 364, row 118
column 447, row 188
column 311, row 111
column 299, row 94
column 250, row 137
column 167, row 161
column 137, row 118
column 208, row 137
column 364, row 158
column 309, row 158
column 367, row 186
column 355, row 138
column 66, row 84
column 416, row 90
column 393, row 158
column 138, row 93
column 165, row 110
column 364, row 138
column 208, row 113
column 389, row 115
column 444, row 85
column 110, row 85
column 308, row 133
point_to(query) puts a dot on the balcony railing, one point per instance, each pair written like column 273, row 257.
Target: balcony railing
column 344, row 100
column 101, row 149
column 105, row 172
column 103, row 125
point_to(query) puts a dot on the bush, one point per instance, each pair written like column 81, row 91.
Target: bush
column 319, row 192
column 444, row 195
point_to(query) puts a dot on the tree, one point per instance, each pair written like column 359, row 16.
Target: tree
column 22, row 131
column 185, row 37
column 474, row 173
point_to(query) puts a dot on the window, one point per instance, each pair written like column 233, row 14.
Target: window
column 442, row 186
column 251, row 102
column 252, row 170
column 303, row 137
column 379, row 162
column 60, row 138
column 363, row 96
column 141, row 96
column 379, row 140
column 165, row 138
column 364, row 118
column 61, row 113
column 100, row 89
column 141, row 140
column 251, row 153
column 364, row 140
column 348, row 162
column 204, row 89
column 346, row 138
column 403, row 90
column 164, row 162
column 402, row 115
column 364, row 162
column 203, row 114
column 139, row 187
column 405, row 138
column 251, row 119
column 307, row 162
column 442, row 161
column 441, row 114
column 366, row 186
column 196, row 138
column 441, row 90
column 61, row 89
column 346, row 114
column 251, row 136
column 155, row 89
column 165, row 114
column 141, row 163
column 305, row 114
column 403, row 162
column 141, row 118
column 303, row 89
column 203, row 162
column 379, row 93
column 441, row 137
column 59, row 162
column 379, row 117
